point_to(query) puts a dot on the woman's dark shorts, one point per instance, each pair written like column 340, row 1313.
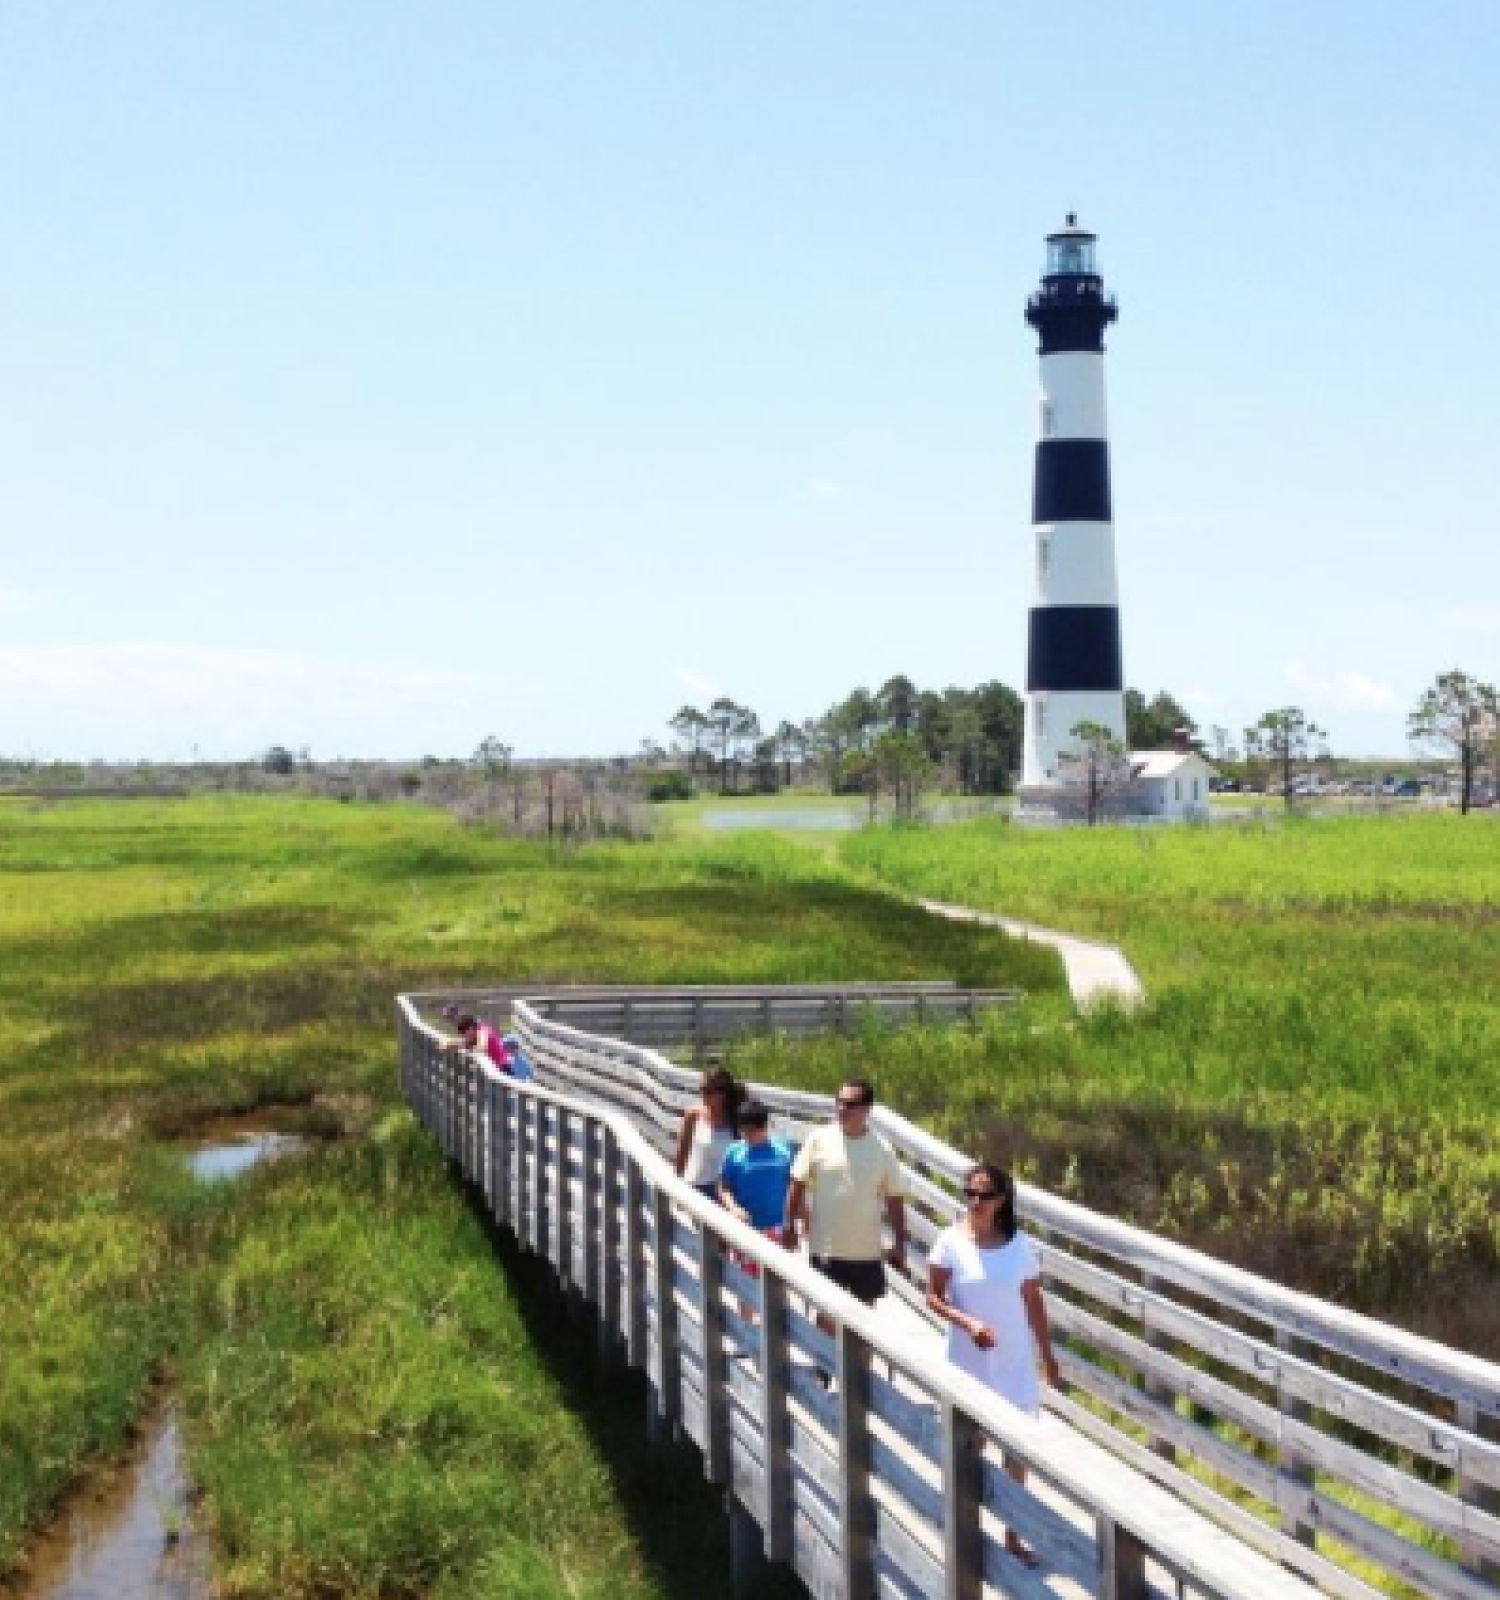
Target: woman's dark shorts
column 865, row 1280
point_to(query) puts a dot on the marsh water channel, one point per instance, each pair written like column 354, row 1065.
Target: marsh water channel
column 133, row 1532
column 832, row 819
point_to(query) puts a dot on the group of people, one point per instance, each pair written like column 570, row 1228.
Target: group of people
column 841, row 1190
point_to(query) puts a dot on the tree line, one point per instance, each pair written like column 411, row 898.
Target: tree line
column 895, row 741
column 899, row 740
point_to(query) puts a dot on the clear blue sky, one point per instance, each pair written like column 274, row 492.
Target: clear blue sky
column 376, row 377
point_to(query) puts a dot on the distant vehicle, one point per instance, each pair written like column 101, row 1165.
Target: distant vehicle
column 1407, row 789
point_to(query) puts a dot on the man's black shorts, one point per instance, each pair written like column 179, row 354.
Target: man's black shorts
column 865, row 1280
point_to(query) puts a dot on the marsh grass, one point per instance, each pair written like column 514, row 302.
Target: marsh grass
column 357, row 1395
column 1311, row 1091
column 377, row 1410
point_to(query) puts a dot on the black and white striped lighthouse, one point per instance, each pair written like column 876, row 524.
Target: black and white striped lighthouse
column 1074, row 671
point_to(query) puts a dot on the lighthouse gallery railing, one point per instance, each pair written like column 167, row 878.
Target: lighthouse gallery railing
column 1334, row 1444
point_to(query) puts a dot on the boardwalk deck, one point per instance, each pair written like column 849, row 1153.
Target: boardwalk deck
column 1224, row 1436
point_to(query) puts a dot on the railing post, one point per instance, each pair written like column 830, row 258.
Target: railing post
column 963, row 1483
column 541, row 1223
column 1292, row 1465
column 1467, row 1415
column 610, row 1296
column 856, row 1509
column 484, row 1170
column 774, row 1422
column 591, row 1210
column 668, row 1378
column 441, row 1130
column 715, row 1379
column 562, row 1197
column 526, row 1169
column 476, row 1165
column 635, row 1234
column 1154, row 1387
column 473, row 1078
column 453, row 1062
column 500, row 1153
column 1122, row 1562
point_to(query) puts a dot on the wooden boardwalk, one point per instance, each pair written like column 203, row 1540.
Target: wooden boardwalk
column 1097, row 973
column 1221, row 1435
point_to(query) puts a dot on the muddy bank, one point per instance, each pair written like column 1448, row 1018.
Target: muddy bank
column 131, row 1533
column 131, row 1530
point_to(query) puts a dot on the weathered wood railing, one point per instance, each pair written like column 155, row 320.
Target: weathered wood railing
column 1345, row 1449
column 705, row 1018
column 891, row 1482
column 1336, row 1444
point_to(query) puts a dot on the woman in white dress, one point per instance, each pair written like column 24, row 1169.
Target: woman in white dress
column 984, row 1280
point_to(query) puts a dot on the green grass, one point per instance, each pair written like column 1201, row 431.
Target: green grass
column 375, row 1415
column 378, row 1403
column 375, row 1402
column 1311, row 1089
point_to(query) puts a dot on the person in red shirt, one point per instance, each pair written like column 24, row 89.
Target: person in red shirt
column 473, row 1034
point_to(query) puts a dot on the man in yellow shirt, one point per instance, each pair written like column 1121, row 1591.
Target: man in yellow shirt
column 853, row 1180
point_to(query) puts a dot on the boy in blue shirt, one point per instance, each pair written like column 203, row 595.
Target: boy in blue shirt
column 756, row 1173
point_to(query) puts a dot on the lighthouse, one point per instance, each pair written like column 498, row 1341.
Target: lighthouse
column 1074, row 672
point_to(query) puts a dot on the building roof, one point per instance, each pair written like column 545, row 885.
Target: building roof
column 1163, row 763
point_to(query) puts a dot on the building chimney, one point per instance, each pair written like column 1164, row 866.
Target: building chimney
column 1182, row 741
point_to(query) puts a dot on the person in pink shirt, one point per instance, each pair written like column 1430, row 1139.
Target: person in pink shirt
column 472, row 1034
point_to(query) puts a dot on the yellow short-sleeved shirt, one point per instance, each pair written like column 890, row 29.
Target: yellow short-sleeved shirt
column 848, row 1182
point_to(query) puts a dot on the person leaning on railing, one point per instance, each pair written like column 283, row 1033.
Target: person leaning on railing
column 853, row 1182
column 472, row 1034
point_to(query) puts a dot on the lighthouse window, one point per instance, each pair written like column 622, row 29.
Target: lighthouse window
column 1043, row 557
column 1039, row 718
column 1072, row 254
column 1046, row 419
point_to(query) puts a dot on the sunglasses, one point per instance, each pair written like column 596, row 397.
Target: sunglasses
column 849, row 1105
column 974, row 1195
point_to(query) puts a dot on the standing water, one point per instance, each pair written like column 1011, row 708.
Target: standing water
column 134, row 1538
column 135, row 1535
column 215, row 1162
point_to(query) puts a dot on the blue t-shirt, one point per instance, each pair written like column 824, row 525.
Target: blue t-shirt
column 757, row 1176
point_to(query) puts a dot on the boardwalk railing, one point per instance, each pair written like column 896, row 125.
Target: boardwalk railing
column 1346, row 1451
